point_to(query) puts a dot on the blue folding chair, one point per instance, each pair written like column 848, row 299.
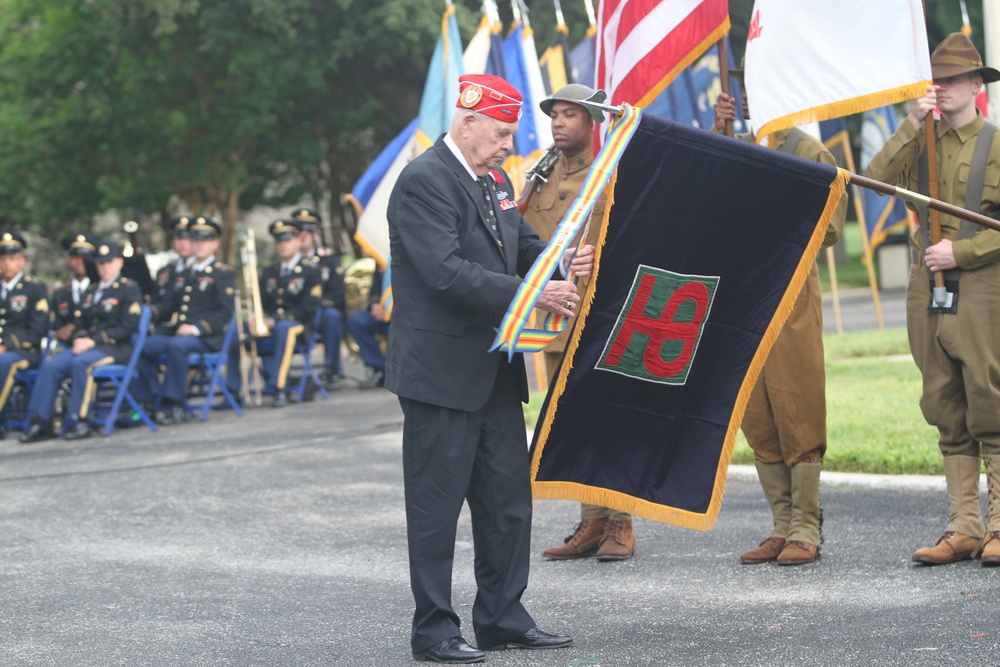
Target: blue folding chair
column 208, row 366
column 16, row 410
column 305, row 348
column 119, row 376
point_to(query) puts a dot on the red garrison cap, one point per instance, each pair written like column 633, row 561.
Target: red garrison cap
column 490, row 95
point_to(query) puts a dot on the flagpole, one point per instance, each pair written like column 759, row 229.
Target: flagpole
column 884, row 188
column 724, row 75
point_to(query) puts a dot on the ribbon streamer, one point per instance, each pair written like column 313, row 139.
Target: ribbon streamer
column 512, row 335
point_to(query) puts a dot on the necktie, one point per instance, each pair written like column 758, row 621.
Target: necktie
column 491, row 218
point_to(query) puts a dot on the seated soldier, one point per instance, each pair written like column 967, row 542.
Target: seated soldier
column 332, row 301
column 104, row 325
column 194, row 320
column 24, row 314
column 66, row 300
column 365, row 327
column 290, row 292
column 170, row 278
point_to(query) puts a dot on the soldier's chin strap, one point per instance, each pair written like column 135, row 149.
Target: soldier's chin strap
column 944, row 300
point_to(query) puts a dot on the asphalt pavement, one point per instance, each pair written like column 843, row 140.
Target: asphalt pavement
column 278, row 539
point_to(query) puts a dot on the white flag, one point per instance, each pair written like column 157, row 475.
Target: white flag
column 991, row 28
column 809, row 61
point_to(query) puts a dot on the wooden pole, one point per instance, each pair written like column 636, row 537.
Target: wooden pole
column 831, row 262
column 724, row 76
column 930, row 137
column 923, row 200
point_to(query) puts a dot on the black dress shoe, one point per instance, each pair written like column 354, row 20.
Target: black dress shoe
column 535, row 638
column 176, row 415
column 280, row 399
column 375, row 381
column 38, row 430
column 79, row 431
column 451, row 651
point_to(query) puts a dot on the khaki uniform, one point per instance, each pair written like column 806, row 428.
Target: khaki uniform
column 957, row 354
column 546, row 210
column 785, row 419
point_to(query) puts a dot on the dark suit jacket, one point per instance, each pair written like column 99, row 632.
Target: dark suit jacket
column 24, row 318
column 113, row 319
column 294, row 297
column 452, row 281
column 204, row 299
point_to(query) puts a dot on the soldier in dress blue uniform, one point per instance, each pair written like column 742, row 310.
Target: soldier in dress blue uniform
column 290, row 293
column 67, row 299
column 196, row 317
column 332, row 301
column 170, row 278
column 104, row 323
column 365, row 327
column 24, row 314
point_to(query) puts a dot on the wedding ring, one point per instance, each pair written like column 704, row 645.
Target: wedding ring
column 569, row 305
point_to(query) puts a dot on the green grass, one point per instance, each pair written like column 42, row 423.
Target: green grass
column 874, row 423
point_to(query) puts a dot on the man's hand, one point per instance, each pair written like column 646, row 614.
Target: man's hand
column 940, row 256
column 920, row 106
column 559, row 296
column 582, row 262
column 378, row 313
column 3, row 349
column 725, row 109
column 186, row 330
column 65, row 331
column 81, row 345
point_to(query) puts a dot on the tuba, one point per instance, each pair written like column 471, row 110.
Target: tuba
column 357, row 287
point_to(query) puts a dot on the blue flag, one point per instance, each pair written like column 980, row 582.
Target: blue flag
column 884, row 215
column 689, row 293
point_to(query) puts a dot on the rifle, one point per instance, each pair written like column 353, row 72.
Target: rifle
column 539, row 172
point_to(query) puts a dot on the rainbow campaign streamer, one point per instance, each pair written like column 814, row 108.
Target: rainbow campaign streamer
column 512, row 335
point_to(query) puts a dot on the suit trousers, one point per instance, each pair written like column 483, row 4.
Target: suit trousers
column 451, row 456
column 65, row 364
column 176, row 349
column 332, row 328
column 364, row 328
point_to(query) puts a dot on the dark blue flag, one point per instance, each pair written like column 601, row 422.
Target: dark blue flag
column 705, row 246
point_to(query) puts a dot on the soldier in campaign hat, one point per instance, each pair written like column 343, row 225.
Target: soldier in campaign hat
column 66, row 300
column 954, row 341
column 290, row 292
column 24, row 314
column 601, row 531
column 194, row 320
column 332, row 303
column 458, row 245
column 785, row 419
column 103, row 330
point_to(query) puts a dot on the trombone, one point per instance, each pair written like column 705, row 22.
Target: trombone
column 251, row 385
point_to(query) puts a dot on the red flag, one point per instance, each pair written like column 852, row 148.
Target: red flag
column 643, row 45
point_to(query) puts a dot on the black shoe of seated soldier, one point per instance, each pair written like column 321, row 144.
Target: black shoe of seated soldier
column 79, row 431
column 280, row 399
column 38, row 430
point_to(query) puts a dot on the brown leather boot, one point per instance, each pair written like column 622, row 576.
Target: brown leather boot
column 797, row 552
column 991, row 550
column 582, row 543
column 618, row 542
column 766, row 552
column 950, row 548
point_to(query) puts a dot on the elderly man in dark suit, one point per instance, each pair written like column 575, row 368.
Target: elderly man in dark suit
column 458, row 245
